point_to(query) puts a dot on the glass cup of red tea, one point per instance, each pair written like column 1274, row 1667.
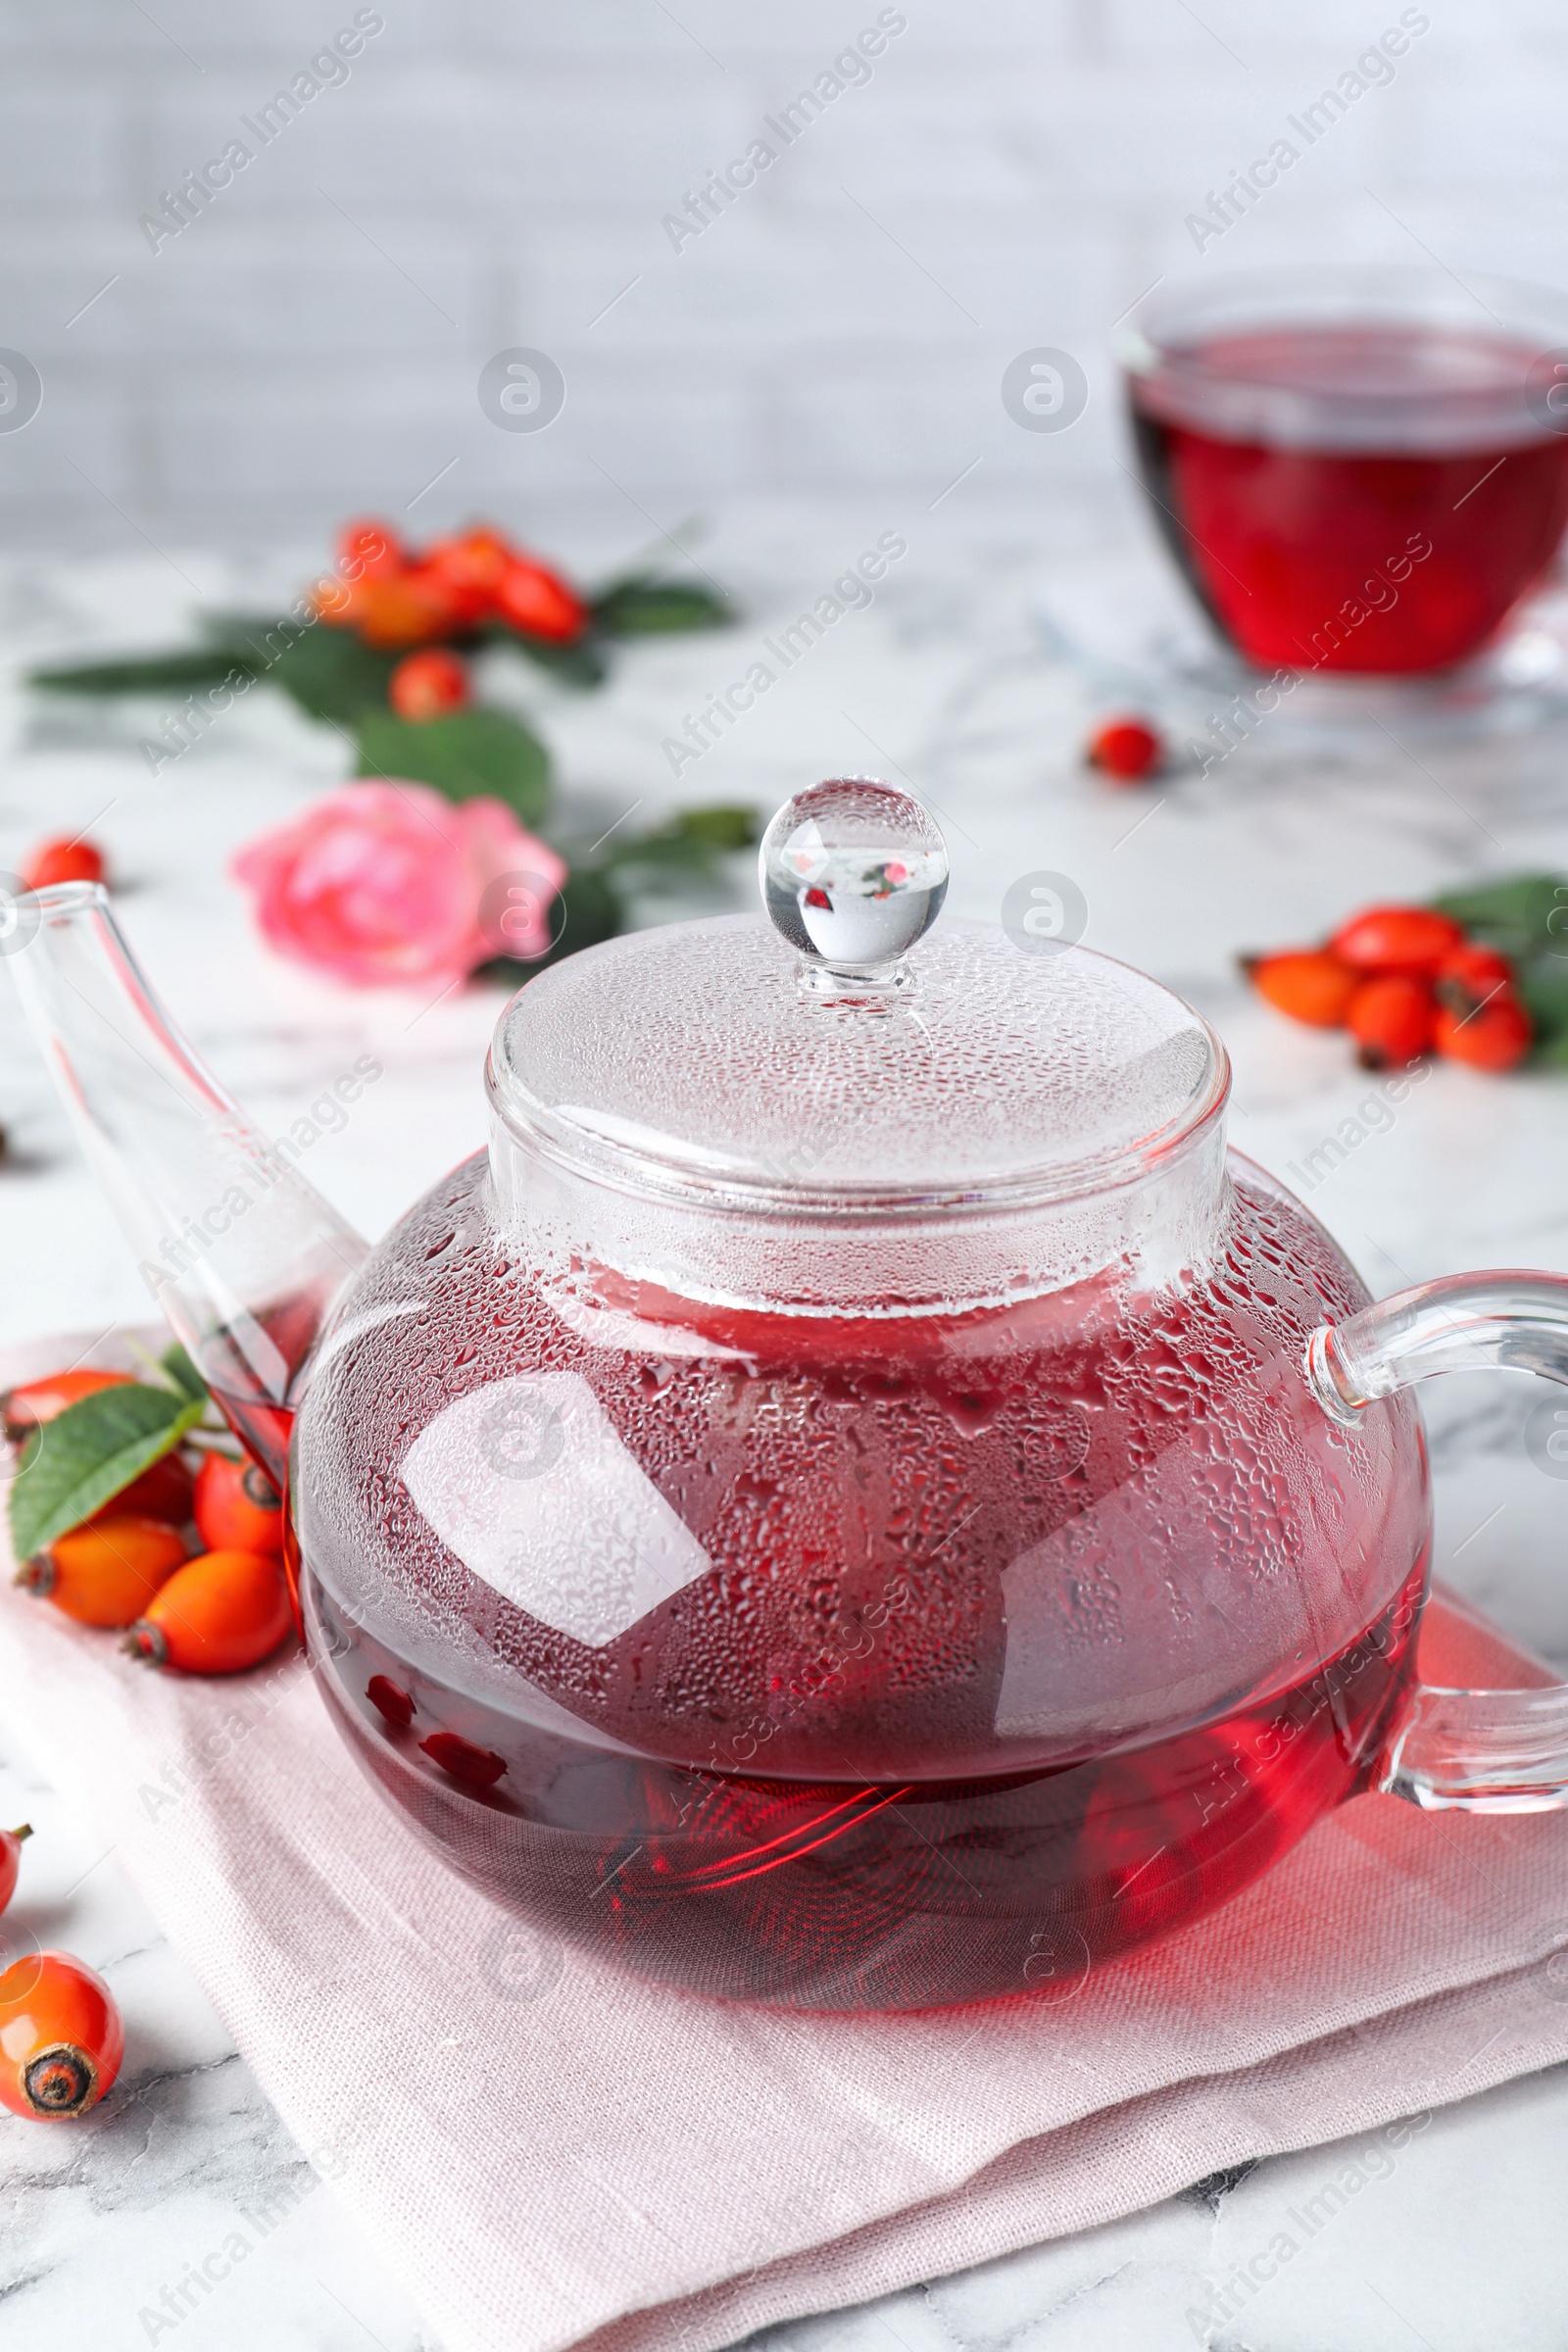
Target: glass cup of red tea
column 1357, row 471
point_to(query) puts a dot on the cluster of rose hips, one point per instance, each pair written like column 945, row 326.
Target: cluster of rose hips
column 395, row 596
column 1405, row 981
column 130, row 1568
column 61, row 2034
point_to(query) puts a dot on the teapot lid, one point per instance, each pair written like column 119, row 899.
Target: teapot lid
column 837, row 1059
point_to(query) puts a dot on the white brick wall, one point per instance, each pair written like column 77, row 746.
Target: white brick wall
column 495, row 172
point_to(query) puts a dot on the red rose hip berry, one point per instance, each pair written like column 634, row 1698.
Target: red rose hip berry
column 1127, row 750
column 372, row 551
column 539, row 603
column 394, row 1705
column 472, row 564
column 1391, row 1019
column 237, row 1508
column 475, row 1767
column 61, row 2036
column 1410, row 940
column 36, row 1401
column 162, row 1493
column 428, row 685
column 11, row 1844
column 55, row 862
column 1472, row 976
column 1494, row 1038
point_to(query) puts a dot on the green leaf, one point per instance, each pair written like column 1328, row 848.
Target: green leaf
column 592, row 910
column 644, row 606
column 1522, row 916
column 72, row 1465
column 579, row 665
column 176, row 1362
column 1542, row 985
column 691, row 840
column 330, row 674
column 721, row 828
column 1526, row 917
column 466, row 753
column 146, row 673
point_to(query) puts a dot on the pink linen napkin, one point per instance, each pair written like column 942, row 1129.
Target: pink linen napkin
column 550, row 2153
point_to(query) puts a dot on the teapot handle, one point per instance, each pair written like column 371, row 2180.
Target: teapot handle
column 1487, row 1751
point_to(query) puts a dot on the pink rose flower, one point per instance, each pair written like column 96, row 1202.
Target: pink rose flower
column 386, row 883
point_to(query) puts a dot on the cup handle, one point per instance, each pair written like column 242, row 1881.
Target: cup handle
column 1488, row 1751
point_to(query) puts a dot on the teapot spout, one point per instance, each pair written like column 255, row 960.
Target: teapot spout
column 240, row 1253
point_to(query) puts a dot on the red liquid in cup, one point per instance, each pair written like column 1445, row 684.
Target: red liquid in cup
column 1311, row 557
column 800, row 1779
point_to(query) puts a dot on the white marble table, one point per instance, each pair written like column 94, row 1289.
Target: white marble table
column 941, row 682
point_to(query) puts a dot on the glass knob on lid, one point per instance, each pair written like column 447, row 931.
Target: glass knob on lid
column 839, row 1109
column 853, row 873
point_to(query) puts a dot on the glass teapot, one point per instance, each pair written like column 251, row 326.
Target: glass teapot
column 855, row 1500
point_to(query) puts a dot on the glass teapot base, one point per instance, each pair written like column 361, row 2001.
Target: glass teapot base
column 839, row 1896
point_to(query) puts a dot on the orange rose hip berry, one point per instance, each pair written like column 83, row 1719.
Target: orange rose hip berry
column 217, row 1615
column 36, row 1401
column 60, row 2038
column 107, row 1571
column 1307, row 983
